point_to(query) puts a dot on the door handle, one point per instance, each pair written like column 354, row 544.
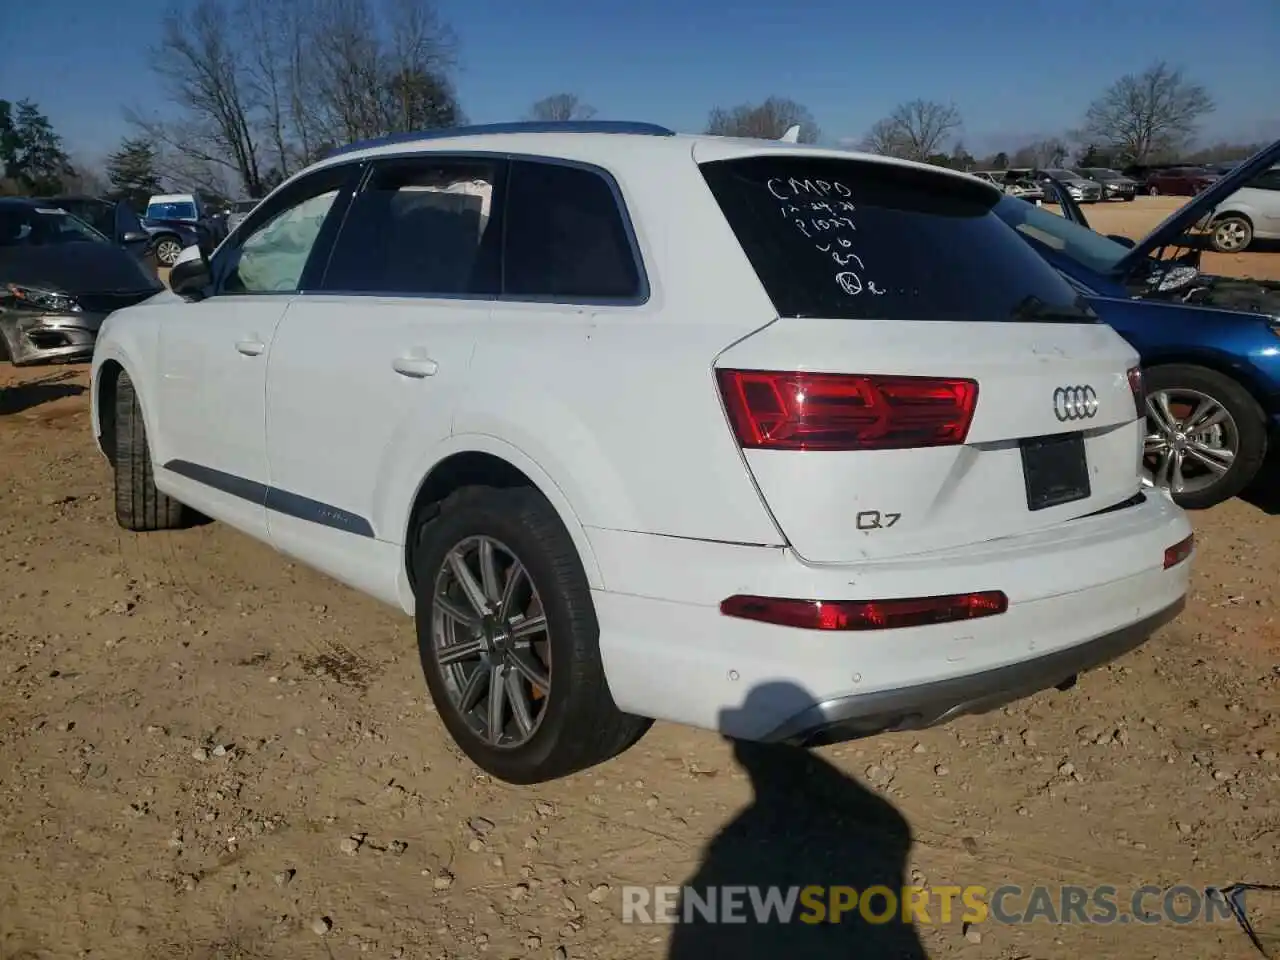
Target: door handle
column 250, row 348
column 416, row 367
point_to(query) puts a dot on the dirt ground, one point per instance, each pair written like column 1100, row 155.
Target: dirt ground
column 207, row 751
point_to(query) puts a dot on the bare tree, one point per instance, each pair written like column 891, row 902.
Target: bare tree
column 264, row 87
column 766, row 121
column 1148, row 115
column 561, row 106
column 359, row 87
column 916, row 130
column 1046, row 152
column 200, row 64
column 269, row 26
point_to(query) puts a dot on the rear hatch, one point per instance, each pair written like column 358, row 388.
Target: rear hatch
column 930, row 381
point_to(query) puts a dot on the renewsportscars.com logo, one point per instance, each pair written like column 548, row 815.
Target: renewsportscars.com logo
column 1008, row 904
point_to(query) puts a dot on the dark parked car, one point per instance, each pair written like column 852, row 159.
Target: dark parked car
column 1080, row 188
column 1115, row 185
column 169, row 238
column 59, row 278
column 179, row 221
column 1210, row 345
column 113, row 219
column 1179, row 181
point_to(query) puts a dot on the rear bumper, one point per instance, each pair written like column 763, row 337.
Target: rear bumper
column 1079, row 594
column 931, row 704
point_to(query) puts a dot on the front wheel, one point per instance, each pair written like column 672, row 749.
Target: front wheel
column 1206, row 435
column 1231, row 234
column 139, row 504
column 167, row 251
column 1153, row 191
column 509, row 641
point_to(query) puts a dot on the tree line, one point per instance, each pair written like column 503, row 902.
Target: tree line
column 253, row 90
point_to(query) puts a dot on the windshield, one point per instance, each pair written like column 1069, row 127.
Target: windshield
column 1081, row 244
column 1062, row 174
column 848, row 239
column 171, row 211
column 1104, row 174
column 24, row 226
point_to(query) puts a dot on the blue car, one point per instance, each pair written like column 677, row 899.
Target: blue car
column 1210, row 345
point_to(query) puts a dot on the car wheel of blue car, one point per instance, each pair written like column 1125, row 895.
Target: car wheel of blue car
column 1206, row 435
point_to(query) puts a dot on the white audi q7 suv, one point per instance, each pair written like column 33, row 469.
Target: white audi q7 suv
column 795, row 444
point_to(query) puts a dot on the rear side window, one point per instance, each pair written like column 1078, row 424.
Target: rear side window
column 420, row 227
column 851, row 239
column 565, row 237
column 1268, row 180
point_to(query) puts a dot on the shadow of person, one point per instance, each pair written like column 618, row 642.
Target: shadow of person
column 809, row 826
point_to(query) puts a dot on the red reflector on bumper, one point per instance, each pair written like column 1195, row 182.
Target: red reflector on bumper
column 1179, row 552
column 866, row 614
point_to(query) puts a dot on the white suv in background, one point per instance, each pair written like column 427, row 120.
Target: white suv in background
column 791, row 443
column 1251, row 213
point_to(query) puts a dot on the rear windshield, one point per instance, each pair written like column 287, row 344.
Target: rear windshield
column 852, row 239
column 171, row 211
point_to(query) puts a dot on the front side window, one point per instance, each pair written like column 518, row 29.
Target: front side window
column 421, row 227
column 1267, row 180
column 566, row 239
column 275, row 249
column 853, row 239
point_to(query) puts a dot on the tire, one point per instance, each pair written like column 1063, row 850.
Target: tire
column 1231, row 234
column 1131, row 198
column 579, row 724
column 139, row 505
column 167, row 250
column 1153, row 191
column 1245, row 418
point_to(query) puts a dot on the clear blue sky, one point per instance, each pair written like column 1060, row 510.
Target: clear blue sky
column 1017, row 69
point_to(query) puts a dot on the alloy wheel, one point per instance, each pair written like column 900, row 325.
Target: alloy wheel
column 1192, row 440
column 167, row 252
column 492, row 642
column 1230, row 235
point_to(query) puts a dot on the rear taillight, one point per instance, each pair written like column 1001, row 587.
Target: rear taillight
column 866, row 614
column 1139, row 392
column 1179, row 552
column 828, row 411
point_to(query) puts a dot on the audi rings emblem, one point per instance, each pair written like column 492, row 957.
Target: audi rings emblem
column 1075, row 403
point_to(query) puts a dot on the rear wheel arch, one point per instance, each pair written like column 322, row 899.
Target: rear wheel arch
column 494, row 467
column 1232, row 215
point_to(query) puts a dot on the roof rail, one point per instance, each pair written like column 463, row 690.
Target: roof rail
column 517, row 126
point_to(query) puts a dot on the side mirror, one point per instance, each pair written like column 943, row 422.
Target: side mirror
column 1123, row 241
column 190, row 278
